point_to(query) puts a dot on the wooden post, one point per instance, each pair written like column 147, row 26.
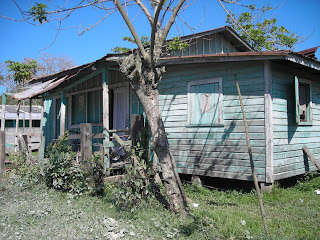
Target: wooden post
column 3, row 119
column 312, row 158
column 30, row 123
column 2, row 152
column 105, row 99
column 263, row 214
column 86, row 143
column 63, row 113
column 42, row 140
column 17, row 127
column 268, row 121
column 24, row 115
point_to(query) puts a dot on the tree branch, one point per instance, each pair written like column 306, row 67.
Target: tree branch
column 154, row 29
column 146, row 11
column 131, row 28
column 170, row 22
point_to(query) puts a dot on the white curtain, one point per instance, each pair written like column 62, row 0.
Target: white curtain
column 120, row 108
column 121, row 111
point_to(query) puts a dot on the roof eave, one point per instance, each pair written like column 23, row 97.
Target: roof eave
column 307, row 62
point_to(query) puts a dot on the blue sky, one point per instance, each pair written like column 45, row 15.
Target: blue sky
column 20, row 39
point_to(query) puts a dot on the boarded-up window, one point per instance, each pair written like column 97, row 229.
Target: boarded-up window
column 303, row 101
column 205, row 102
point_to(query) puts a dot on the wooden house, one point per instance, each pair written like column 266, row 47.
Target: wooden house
column 200, row 106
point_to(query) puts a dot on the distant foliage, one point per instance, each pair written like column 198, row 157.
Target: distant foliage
column 145, row 40
column 262, row 34
column 22, row 71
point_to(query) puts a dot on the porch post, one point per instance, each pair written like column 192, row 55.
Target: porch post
column 43, row 122
column 105, row 119
column 17, row 127
column 63, row 113
column 30, row 124
column 3, row 119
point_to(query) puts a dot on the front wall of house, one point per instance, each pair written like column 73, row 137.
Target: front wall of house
column 289, row 137
column 219, row 150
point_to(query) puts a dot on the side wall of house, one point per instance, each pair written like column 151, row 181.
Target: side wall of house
column 217, row 151
column 289, row 137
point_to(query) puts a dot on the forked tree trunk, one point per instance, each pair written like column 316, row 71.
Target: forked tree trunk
column 174, row 190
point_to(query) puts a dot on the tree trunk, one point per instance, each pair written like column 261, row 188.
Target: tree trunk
column 174, row 190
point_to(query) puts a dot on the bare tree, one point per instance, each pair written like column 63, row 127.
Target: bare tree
column 140, row 68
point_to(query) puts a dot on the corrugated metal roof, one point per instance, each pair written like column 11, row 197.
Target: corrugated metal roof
column 46, row 86
column 11, row 112
column 310, row 52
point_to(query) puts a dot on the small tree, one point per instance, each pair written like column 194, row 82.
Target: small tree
column 261, row 33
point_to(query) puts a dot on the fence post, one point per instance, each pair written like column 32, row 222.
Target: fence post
column 86, row 143
column 2, row 152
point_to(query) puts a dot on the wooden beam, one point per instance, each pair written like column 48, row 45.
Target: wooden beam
column 105, row 100
column 311, row 157
column 63, row 113
column 268, row 121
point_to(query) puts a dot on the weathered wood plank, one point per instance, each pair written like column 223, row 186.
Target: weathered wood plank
column 268, row 122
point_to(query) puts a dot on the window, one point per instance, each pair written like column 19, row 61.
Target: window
column 303, row 101
column 86, row 107
column 205, row 102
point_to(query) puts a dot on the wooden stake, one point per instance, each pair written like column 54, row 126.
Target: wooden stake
column 263, row 214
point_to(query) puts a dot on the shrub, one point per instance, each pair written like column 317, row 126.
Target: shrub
column 134, row 189
column 62, row 172
column 60, row 169
column 95, row 175
column 24, row 168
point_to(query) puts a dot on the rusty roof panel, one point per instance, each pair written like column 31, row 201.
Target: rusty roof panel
column 310, row 52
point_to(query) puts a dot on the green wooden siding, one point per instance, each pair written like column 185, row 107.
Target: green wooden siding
column 289, row 136
column 213, row 43
column 218, row 151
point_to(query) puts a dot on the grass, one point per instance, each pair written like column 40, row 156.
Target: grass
column 40, row 213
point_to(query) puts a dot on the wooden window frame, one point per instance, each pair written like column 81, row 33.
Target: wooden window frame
column 309, row 114
column 220, row 101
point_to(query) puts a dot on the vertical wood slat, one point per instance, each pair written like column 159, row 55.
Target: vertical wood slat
column 3, row 119
column 268, row 121
column 63, row 109
column 105, row 100
column 2, row 152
